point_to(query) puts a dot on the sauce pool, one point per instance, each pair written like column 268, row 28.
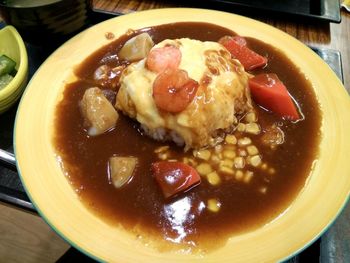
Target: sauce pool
column 184, row 220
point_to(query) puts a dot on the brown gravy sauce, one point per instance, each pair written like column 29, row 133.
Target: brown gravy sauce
column 139, row 206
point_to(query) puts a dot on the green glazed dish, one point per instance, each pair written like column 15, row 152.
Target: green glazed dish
column 12, row 46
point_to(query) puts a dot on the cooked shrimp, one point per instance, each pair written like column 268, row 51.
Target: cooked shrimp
column 160, row 59
column 174, row 90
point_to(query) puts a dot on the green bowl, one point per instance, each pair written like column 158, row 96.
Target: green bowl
column 12, row 45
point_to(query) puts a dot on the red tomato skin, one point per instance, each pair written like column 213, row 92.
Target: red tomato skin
column 237, row 47
column 174, row 177
column 269, row 92
column 239, row 40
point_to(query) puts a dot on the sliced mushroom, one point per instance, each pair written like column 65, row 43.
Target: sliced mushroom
column 273, row 136
column 121, row 169
column 108, row 77
column 136, row 48
column 101, row 73
column 99, row 114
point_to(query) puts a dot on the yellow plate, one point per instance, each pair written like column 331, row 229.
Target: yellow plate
column 314, row 209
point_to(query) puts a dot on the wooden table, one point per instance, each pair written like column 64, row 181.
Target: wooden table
column 335, row 243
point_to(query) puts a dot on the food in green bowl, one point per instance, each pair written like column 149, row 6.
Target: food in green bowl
column 7, row 70
column 13, row 67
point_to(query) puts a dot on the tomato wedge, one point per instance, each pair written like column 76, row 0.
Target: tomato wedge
column 239, row 40
column 174, row 177
column 269, row 92
column 237, row 47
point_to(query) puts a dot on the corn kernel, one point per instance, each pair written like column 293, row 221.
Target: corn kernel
column 215, row 159
column 202, row 154
column 213, row 205
column 229, row 154
column 255, row 160
column 241, row 127
column 252, row 128
column 248, row 176
column 161, row 149
column 189, row 161
column 218, row 148
column 226, row 170
column 239, row 175
column 204, row 169
column 239, row 162
column 163, row 156
column 231, row 139
column 242, row 152
column 272, row 171
column 252, row 150
column 220, row 156
column 244, row 141
column 213, row 178
column 251, row 117
column 227, row 162
column 231, row 147
column 263, row 190
column 264, row 166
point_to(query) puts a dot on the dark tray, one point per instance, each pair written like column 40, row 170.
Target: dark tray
column 11, row 188
column 310, row 10
column 325, row 10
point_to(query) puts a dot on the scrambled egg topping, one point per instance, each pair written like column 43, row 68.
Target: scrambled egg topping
column 222, row 93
